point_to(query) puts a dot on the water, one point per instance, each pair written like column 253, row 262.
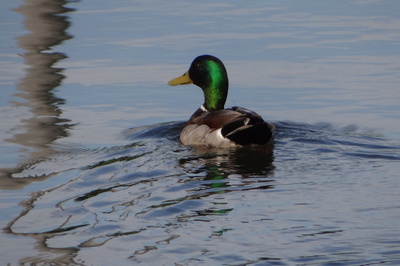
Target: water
column 92, row 172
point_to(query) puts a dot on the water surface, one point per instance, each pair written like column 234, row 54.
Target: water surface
column 92, row 171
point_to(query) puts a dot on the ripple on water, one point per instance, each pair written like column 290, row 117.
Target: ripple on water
column 152, row 200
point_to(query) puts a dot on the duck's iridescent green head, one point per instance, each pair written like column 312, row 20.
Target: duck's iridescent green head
column 209, row 73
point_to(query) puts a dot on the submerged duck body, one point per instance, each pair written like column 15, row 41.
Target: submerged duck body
column 212, row 125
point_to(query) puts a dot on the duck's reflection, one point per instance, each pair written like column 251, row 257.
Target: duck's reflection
column 248, row 162
column 219, row 172
column 47, row 27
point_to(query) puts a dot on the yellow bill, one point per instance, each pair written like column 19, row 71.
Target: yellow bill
column 181, row 80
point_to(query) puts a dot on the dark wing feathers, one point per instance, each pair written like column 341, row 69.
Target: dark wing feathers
column 248, row 129
column 259, row 133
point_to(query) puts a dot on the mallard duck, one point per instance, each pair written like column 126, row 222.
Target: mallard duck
column 211, row 124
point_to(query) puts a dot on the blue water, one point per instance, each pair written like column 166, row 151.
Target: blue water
column 92, row 171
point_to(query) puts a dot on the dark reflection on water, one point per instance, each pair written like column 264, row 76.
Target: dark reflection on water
column 47, row 28
column 152, row 198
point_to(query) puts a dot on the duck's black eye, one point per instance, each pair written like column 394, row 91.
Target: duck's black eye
column 198, row 65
